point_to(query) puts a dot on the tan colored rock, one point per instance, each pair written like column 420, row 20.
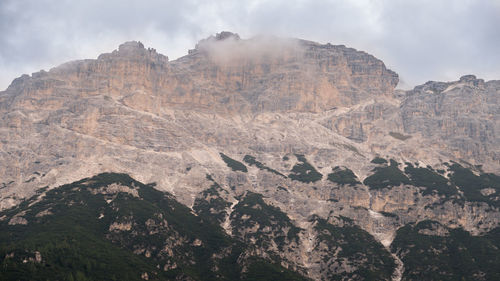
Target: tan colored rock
column 116, row 226
column 134, row 111
column 38, row 257
column 18, row 220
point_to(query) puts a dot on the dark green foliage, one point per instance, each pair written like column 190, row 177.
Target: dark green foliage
column 434, row 182
column 282, row 188
column 252, row 161
column 399, row 136
column 343, row 176
column 257, row 211
column 71, row 240
column 386, row 176
column 378, row 160
column 233, row 164
column 456, row 255
column 471, row 184
column 210, row 205
column 371, row 259
column 64, row 256
column 304, row 172
column 77, row 242
column 265, row 271
column 389, row 215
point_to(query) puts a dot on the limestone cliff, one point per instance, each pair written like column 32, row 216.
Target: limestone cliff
column 461, row 114
column 317, row 130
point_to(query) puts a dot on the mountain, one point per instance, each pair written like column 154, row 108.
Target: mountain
column 303, row 157
column 111, row 227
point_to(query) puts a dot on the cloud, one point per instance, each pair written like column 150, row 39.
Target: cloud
column 421, row 40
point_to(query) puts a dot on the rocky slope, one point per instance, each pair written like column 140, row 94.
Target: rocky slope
column 463, row 115
column 316, row 132
column 111, row 227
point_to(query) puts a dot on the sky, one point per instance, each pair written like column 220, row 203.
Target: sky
column 423, row 40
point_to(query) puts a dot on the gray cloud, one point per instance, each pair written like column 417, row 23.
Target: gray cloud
column 421, row 40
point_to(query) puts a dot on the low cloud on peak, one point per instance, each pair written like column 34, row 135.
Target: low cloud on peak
column 424, row 40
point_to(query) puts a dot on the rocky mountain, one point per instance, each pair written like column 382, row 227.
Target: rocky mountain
column 461, row 114
column 111, row 227
column 302, row 156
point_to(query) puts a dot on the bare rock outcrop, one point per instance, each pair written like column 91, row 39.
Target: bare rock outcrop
column 295, row 110
column 461, row 114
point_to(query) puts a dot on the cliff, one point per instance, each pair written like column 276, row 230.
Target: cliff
column 316, row 132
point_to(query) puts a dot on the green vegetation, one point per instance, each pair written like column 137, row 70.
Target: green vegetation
column 256, row 211
column 75, row 257
column 399, row 136
column 389, row 215
column 233, row 164
column 434, row 182
column 456, row 255
column 252, row 161
column 70, row 240
column 210, row 205
column 370, row 259
column 386, row 176
column 282, row 188
column 260, row 270
column 471, row 184
column 379, row 160
column 343, row 176
column 469, row 180
column 304, row 172
column 92, row 232
column 351, row 148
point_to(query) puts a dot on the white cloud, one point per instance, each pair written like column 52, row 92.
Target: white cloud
column 421, row 40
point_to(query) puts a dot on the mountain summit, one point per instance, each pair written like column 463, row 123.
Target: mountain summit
column 227, row 74
column 303, row 152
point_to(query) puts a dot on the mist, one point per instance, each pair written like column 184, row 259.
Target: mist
column 421, row 41
column 229, row 49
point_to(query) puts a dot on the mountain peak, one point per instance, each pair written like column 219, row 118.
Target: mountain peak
column 134, row 50
column 294, row 148
column 227, row 35
column 218, row 37
column 131, row 46
column 468, row 78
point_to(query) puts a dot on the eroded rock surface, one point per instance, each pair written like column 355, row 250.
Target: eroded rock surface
column 299, row 112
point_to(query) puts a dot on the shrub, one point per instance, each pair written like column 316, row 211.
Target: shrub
column 433, row 181
column 379, row 160
column 233, row 164
column 250, row 160
column 386, row 177
column 343, row 176
column 304, row 172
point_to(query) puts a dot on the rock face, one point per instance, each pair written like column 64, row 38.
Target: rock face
column 225, row 74
column 318, row 132
column 462, row 114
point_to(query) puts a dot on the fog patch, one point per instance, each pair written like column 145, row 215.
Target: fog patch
column 228, row 49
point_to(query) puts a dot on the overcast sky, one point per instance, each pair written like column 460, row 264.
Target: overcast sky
column 420, row 40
